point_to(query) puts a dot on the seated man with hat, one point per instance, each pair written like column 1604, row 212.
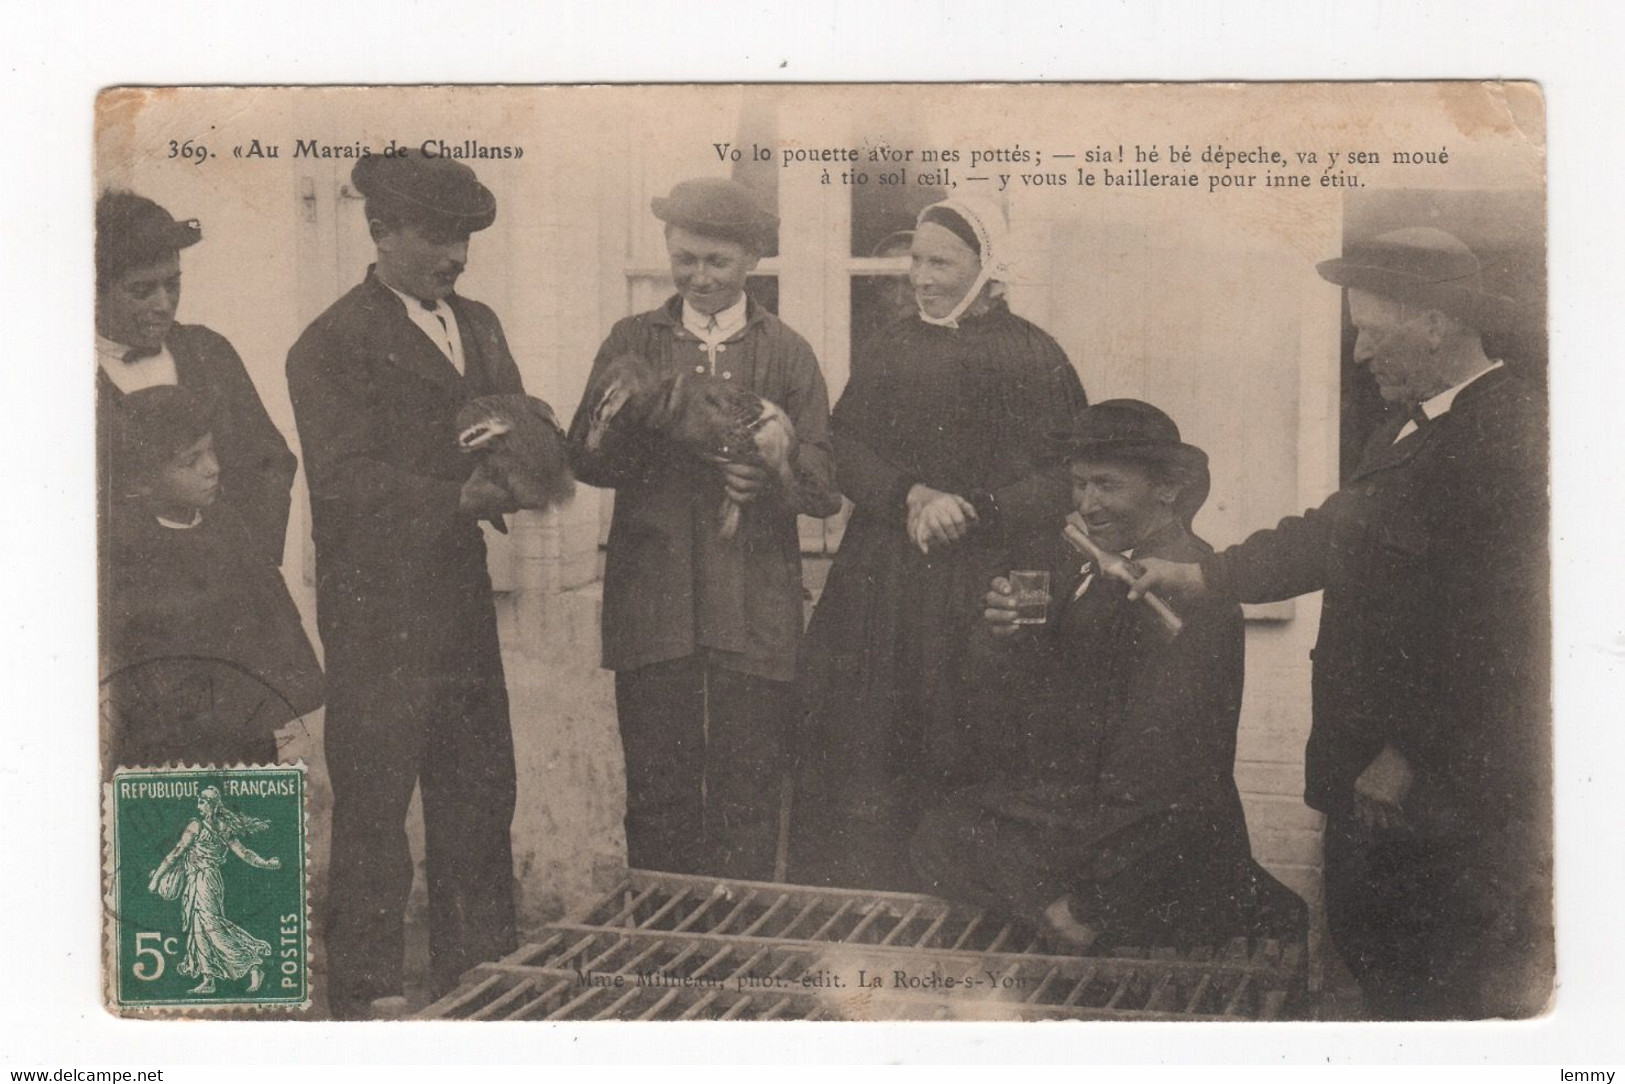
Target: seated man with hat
column 703, row 631
column 1430, row 746
column 139, row 345
column 416, row 691
column 1117, row 820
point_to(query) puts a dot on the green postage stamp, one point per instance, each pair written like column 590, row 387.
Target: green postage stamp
column 206, row 888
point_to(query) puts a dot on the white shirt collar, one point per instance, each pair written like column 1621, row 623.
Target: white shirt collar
column 729, row 321
column 132, row 376
column 439, row 323
column 107, row 346
column 176, row 525
column 408, row 300
column 1441, row 403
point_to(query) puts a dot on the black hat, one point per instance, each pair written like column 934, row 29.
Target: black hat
column 716, row 207
column 1422, row 266
column 133, row 231
column 437, row 191
column 1128, row 430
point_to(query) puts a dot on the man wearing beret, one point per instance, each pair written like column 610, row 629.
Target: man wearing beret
column 416, row 690
column 1429, row 752
column 702, row 632
column 139, row 345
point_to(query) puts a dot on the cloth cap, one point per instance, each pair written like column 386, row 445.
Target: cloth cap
column 1132, row 431
column 716, row 207
column 133, row 231
column 1421, row 266
column 438, row 192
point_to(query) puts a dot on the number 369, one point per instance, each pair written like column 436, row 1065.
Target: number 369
column 190, row 150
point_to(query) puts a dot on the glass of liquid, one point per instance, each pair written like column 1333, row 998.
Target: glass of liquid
column 1032, row 596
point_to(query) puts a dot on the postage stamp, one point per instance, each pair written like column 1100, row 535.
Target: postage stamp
column 206, row 888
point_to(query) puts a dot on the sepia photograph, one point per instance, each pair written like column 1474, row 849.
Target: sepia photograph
column 968, row 552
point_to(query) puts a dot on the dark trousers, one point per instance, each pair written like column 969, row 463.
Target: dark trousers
column 1179, row 879
column 1407, row 917
column 704, row 765
column 446, row 730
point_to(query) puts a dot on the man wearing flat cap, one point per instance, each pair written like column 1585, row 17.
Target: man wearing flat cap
column 703, row 631
column 139, row 345
column 1115, row 818
column 416, row 690
column 1429, row 752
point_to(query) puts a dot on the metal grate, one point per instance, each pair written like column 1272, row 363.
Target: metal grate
column 669, row 947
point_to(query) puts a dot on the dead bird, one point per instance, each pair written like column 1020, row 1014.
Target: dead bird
column 521, row 448
column 714, row 419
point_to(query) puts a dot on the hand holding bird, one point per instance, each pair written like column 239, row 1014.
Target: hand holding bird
column 751, row 439
column 522, row 453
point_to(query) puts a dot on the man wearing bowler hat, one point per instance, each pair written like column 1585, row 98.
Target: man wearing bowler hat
column 139, row 345
column 416, row 691
column 1429, row 752
column 701, row 631
column 1115, row 819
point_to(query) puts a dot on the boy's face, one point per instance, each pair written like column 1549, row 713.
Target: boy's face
column 709, row 272
column 189, row 481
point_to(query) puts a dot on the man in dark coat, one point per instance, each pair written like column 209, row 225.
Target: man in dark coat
column 1116, row 819
column 416, row 690
column 139, row 345
column 1429, row 752
column 703, row 632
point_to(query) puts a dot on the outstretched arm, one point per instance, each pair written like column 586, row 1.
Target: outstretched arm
column 241, row 851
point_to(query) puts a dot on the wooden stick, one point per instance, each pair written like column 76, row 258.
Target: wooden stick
column 1121, row 568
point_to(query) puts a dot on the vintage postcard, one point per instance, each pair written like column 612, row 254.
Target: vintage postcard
column 825, row 552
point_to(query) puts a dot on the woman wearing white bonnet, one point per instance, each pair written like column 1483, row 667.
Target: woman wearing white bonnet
column 980, row 226
column 939, row 443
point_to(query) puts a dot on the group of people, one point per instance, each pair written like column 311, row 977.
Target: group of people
column 1075, row 774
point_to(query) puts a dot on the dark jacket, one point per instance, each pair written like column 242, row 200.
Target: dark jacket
column 1120, row 724
column 1434, row 630
column 1117, row 783
column 401, row 574
column 207, row 593
column 256, row 467
column 672, row 587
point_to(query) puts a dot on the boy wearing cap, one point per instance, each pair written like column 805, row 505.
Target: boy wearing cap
column 703, row 632
column 139, row 345
column 1429, row 751
column 1116, row 820
column 416, row 687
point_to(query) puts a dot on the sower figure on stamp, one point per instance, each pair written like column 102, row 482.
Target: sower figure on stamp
column 1429, row 752
column 1115, row 819
column 703, row 630
column 416, row 689
column 139, row 345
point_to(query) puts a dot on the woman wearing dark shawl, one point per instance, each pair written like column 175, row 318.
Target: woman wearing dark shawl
column 939, row 441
